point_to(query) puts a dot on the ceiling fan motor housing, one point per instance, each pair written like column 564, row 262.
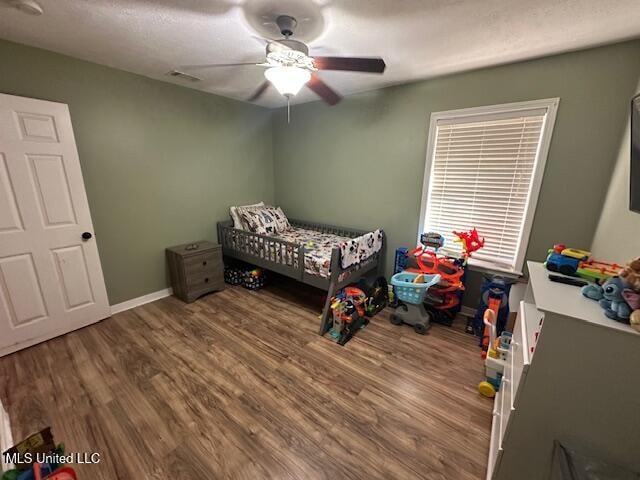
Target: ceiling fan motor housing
column 286, row 24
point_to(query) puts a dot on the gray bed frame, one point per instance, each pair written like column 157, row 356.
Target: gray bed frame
column 256, row 249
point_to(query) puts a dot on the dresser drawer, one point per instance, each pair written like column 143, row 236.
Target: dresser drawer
column 199, row 267
column 205, row 284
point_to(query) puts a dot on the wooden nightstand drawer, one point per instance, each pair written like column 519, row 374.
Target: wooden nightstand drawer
column 206, row 263
column 195, row 269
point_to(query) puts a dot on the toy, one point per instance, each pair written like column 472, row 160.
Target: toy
column 572, row 262
column 443, row 300
column 411, row 310
column 565, row 260
column 254, row 279
column 470, row 241
column 496, row 357
column 348, row 308
column 494, row 294
column 631, row 275
column 597, row 271
column 611, row 299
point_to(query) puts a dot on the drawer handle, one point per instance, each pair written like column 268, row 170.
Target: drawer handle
column 204, row 264
column 206, row 280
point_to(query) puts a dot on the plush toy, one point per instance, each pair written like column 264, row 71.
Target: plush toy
column 610, row 298
column 631, row 275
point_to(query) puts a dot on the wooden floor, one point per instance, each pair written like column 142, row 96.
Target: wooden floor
column 239, row 385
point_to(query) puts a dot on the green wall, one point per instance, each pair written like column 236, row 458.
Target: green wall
column 361, row 163
column 161, row 163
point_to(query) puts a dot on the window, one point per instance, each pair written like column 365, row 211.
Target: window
column 484, row 169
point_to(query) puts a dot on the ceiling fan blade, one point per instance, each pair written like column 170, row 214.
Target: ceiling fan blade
column 350, row 64
column 216, row 65
column 258, row 93
column 323, row 90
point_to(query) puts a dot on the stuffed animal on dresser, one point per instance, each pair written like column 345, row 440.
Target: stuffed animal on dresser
column 631, row 275
column 610, row 298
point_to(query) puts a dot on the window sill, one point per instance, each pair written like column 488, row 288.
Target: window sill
column 483, row 266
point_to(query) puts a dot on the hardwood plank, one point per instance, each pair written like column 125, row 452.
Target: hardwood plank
column 239, row 385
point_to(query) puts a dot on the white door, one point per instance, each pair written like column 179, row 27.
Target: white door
column 50, row 276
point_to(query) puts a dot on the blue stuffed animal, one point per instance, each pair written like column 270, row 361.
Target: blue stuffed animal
column 610, row 298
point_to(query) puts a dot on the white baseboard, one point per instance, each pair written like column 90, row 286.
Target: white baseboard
column 136, row 302
column 6, row 440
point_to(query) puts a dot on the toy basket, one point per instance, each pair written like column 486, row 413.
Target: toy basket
column 410, row 292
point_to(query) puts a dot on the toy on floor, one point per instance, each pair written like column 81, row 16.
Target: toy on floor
column 254, row 279
column 376, row 295
column 443, row 300
column 348, row 309
column 494, row 294
column 496, row 357
column 411, row 289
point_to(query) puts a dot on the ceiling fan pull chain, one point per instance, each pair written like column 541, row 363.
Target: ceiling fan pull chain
column 288, row 108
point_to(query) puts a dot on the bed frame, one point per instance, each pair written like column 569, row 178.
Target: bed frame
column 254, row 248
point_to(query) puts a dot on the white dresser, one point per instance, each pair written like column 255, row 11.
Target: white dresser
column 573, row 375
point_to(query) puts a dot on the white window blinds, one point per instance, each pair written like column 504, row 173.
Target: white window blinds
column 483, row 170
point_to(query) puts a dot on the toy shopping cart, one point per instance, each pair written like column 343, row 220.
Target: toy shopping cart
column 411, row 289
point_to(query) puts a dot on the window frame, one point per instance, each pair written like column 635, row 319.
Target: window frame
column 551, row 106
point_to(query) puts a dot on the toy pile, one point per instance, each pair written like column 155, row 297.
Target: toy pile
column 254, row 279
column 352, row 307
column 444, row 300
column 574, row 262
column 615, row 287
column 250, row 278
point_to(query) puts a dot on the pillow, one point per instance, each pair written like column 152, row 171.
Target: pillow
column 235, row 215
column 263, row 219
column 258, row 220
column 282, row 222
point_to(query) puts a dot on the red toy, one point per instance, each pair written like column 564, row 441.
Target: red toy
column 63, row 473
column 470, row 241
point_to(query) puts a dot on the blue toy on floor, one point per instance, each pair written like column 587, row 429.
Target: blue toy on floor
column 411, row 289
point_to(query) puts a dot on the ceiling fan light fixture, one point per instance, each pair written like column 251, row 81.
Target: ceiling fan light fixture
column 287, row 80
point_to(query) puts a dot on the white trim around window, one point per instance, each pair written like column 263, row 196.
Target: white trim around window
column 545, row 109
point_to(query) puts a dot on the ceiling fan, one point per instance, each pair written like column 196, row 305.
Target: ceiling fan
column 289, row 66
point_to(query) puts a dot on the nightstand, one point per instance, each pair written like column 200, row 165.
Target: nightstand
column 195, row 269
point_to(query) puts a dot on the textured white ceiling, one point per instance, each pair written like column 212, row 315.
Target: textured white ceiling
column 417, row 38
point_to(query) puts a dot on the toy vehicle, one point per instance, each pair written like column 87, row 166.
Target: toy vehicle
column 565, row 260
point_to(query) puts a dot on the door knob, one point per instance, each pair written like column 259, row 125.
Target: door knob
column 86, row 236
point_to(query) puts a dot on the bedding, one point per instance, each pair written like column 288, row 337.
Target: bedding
column 318, row 247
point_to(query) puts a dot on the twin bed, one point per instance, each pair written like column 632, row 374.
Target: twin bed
column 324, row 256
